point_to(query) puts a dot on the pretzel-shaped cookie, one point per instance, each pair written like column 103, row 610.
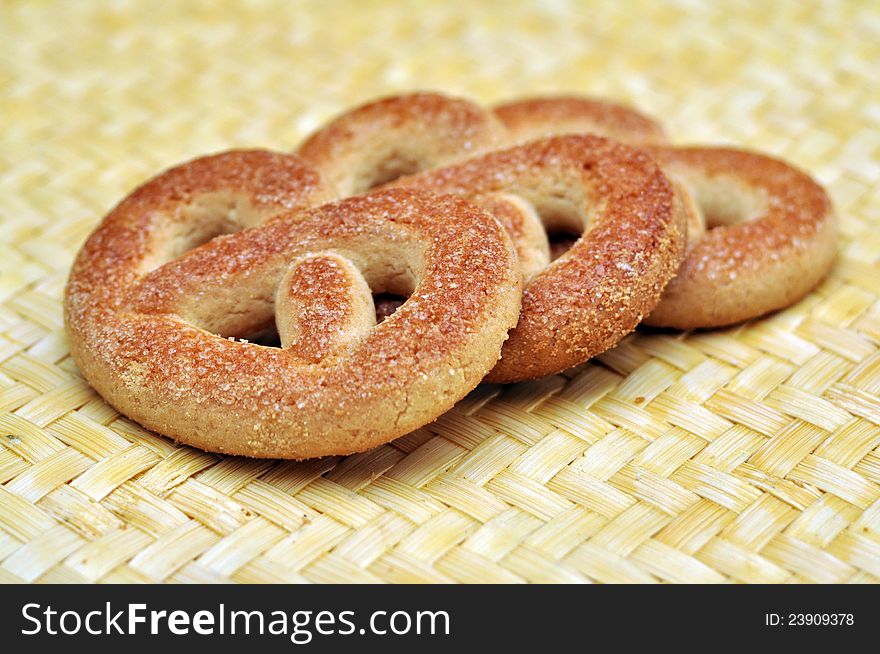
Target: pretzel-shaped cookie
column 390, row 137
column 399, row 135
column 761, row 234
column 633, row 237
column 151, row 321
column 770, row 238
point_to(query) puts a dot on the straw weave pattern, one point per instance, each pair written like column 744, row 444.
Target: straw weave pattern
column 749, row 454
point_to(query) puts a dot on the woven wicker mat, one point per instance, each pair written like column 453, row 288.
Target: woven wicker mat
column 748, row 454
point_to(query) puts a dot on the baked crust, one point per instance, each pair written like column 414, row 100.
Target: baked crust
column 386, row 138
column 155, row 299
column 527, row 119
column 771, row 237
column 633, row 238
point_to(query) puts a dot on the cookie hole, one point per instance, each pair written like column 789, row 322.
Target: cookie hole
column 188, row 237
column 386, row 304
column 207, row 217
column 391, row 283
column 560, row 242
column 723, row 202
column 390, row 169
column 197, row 238
column 561, row 215
column 564, row 222
column 267, row 337
column 721, row 214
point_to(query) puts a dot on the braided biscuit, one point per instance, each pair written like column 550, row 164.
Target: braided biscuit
column 633, row 239
column 771, row 237
column 384, row 139
column 152, row 322
column 405, row 134
column 772, row 234
column 527, row 119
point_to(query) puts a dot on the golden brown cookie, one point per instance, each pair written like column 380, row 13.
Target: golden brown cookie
column 771, row 237
column 631, row 225
column 384, row 139
column 157, row 305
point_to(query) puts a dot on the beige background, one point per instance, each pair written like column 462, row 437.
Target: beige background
column 748, row 454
